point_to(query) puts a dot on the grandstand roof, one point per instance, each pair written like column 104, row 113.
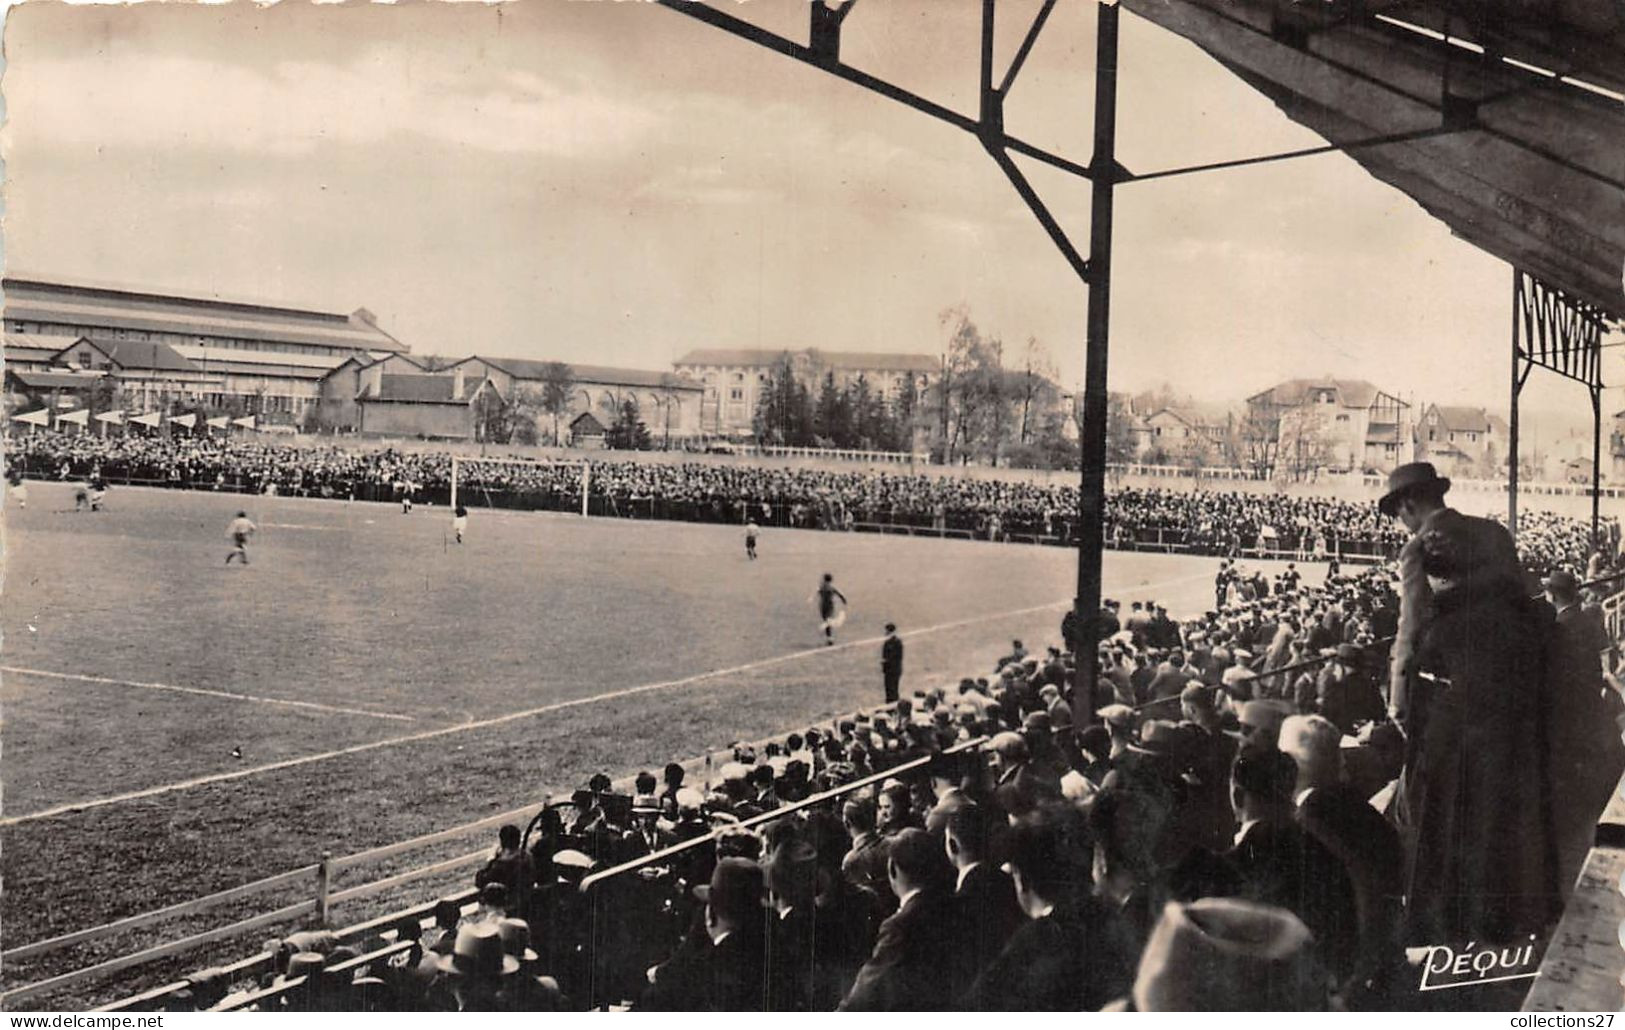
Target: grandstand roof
column 856, row 361
column 1503, row 116
column 526, row 368
column 141, row 354
column 107, row 307
column 1351, row 393
column 270, row 362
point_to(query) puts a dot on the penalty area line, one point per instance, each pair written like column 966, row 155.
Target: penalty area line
column 205, row 692
column 529, row 713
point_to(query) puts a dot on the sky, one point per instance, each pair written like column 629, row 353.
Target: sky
column 615, row 183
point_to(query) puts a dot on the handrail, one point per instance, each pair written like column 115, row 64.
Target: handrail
column 778, row 813
column 1320, row 660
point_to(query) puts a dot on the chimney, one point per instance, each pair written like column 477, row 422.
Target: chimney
column 457, row 384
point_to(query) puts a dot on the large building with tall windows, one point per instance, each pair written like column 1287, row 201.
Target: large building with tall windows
column 164, row 349
column 734, row 378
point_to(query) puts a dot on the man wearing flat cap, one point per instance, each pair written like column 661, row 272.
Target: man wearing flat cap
column 1473, row 804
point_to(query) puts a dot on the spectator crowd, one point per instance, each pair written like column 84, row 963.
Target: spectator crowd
column 1199, row 522
column 1217, row 834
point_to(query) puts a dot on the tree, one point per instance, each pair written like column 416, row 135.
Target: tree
column 628, row 433
column 1303, row 447
column 1120, row 441
column 558, row 379
column 832, row 419
column 971, row 401
column 904, row 415
column 1037, row 379
column 783, row 409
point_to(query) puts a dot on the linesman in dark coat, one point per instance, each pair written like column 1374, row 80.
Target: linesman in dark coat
column 891, row 661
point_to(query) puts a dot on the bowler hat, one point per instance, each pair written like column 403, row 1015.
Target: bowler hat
column 1407, row 479
column 1348, row 654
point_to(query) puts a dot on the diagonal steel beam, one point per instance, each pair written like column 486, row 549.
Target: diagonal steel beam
column 808, row 56
column 1026, row 46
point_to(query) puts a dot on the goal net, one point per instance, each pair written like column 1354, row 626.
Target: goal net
column 520, row 483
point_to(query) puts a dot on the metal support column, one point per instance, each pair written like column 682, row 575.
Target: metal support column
column 1092, row 433
column 1596, row 465
column 1562, row 333
column 1513, row 457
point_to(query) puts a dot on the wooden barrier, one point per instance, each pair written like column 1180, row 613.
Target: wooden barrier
column 157, row 915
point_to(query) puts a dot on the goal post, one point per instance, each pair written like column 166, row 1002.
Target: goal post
column 467, row 480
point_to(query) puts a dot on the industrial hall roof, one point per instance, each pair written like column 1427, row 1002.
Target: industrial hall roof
column 597, row 375
column 856, row 361
column 106, row 307
column 1502, row 118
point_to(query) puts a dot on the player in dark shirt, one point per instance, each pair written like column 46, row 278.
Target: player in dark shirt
column 829, row 612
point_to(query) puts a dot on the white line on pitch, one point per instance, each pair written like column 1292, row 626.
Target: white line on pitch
column 228, row 695
column 296, row 525
column 529, row 713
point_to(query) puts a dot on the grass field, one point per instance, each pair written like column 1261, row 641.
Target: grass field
column 382, row 682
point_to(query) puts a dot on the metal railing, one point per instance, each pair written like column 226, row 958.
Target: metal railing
column 608, row 967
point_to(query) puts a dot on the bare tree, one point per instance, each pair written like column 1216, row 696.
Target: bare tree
column 557, row 381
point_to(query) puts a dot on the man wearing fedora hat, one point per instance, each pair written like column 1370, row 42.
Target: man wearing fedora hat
column 1447, row 547
column 1474, row 803
column 723, row 969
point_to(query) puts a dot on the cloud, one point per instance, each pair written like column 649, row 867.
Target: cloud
column 294, row 107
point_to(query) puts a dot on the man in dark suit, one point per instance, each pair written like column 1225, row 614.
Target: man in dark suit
column 1476, row 820
column 947, row 775
column 986, row 912
column 726, row 970
column 1356, row 833
column 1344, row 693
column 865, row 863
column 1281, row 864
column 1171, row 677
column 1074, row 952
column 1584, row 747
column 891, row 662
column 910, row 968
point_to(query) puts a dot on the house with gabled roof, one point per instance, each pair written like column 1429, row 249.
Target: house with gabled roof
column 1462, row 441
column 1347, row 425
column 426, row 406
column 148, row 374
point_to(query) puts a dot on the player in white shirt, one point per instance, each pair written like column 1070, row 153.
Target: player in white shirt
column 750, row 539
column 459, row 522
column 239, row 531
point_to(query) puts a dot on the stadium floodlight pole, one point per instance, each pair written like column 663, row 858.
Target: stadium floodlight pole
column 1092, row 433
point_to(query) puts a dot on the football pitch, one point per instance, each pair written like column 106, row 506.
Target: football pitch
column 173, row 726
